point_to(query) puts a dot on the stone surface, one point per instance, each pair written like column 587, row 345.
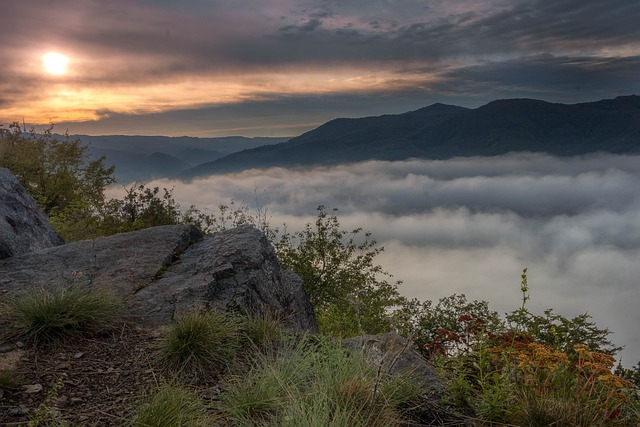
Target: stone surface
column 397, row 356
column 164, row 271
column 394, row 355
column 23, row 227
column 235, row 268
column 120, row 263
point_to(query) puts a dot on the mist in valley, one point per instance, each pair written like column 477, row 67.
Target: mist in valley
column 470, row 225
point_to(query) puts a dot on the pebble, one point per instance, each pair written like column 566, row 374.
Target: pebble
column 32, row 388
column 17, row 411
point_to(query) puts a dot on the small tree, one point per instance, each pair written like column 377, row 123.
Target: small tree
column 349, row 292
column 141, row 207
column 451, row 327
column 67, row 186
column 55, row 172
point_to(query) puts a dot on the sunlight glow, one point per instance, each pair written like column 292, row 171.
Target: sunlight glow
column 55, row 63
column 77, row 102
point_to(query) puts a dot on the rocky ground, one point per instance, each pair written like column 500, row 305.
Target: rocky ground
column 91, row 381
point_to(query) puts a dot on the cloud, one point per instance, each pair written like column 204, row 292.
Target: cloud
column 554, row 78
column 470, row 225
column 140, row 58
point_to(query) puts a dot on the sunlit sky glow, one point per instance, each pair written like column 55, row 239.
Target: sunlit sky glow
column 280, row 67
column 55, row 63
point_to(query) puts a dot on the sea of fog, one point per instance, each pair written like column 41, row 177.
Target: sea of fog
column 470, row 225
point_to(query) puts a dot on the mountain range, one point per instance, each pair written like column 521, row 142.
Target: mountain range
column 143, row 158
column 438, row 131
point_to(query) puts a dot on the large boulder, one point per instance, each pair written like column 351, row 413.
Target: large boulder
column 23, row 227
column 164, row 271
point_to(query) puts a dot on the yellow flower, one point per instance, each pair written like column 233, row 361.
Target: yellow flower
column 615, row 381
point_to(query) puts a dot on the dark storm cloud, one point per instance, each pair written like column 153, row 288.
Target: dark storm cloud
column 330, row 31
column 547, row 76
column 509, row 29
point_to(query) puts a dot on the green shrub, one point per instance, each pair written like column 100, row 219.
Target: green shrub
column 201, row 343
column 46, row 316
column 349, row 292
column 535, row 374
column 172, row 406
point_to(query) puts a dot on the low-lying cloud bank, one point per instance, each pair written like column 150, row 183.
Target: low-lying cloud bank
column 470, row 225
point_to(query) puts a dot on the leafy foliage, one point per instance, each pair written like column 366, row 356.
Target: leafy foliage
column 451, row 327
column 141, row 207
column 349, row 292
column 564, row 334
column 520, row 372
column 55, row 172
column 70, row 189
column 66, row 186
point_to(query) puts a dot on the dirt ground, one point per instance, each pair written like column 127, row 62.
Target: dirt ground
column 96, row 381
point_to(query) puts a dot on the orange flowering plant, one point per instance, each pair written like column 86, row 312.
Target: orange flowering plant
column 535, row 370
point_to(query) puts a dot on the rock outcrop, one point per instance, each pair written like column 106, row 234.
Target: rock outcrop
column 23, row 227
column 163, row 271
column 397, row 356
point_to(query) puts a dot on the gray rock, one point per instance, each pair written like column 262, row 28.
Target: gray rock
column 397, row 356
column 23, row 227
column 233, row 269
column 163, row 271
column 120, row 263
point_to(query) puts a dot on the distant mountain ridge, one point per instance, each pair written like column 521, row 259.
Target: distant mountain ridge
column 142, row 158
column 442, row 131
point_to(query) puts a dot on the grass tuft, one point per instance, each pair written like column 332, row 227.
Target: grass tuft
column 263, row 332
column 45, row 316
column 201, row 343
column 172, row 406
column 314, row 382
column 8, row 379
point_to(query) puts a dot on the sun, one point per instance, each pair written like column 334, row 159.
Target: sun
column 55, row 63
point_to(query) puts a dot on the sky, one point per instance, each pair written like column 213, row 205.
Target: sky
column 282, row 67
column 470, row 225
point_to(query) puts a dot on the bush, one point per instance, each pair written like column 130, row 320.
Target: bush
column 49, row 315
column 350, row 294
column 201, row 343
column 523, row 375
